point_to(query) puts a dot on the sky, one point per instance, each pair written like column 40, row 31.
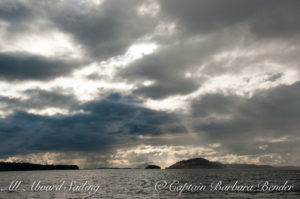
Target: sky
column 111, row 83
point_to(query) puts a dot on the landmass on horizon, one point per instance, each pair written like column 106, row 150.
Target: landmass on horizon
column 202, row 163
column 14, row 166
column 194, row 163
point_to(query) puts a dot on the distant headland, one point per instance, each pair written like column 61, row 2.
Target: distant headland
column 152, row 167
column 8, row 166
column 201, row 163
column 143, row 166
column 196, row 163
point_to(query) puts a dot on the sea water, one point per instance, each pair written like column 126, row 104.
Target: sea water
column 140, row 183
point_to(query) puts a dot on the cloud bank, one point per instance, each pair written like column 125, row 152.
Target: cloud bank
column 120, row 83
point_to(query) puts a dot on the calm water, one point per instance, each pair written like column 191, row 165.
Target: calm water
column 141, row 183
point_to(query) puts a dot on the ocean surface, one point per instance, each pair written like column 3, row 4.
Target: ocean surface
column 135, row 183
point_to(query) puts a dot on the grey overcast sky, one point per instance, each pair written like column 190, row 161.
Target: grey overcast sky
column 119, row 83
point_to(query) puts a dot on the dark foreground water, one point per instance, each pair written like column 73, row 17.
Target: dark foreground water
column 222, row 183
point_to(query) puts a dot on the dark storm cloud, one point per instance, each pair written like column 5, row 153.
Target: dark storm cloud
column 20, row 67
column 106, row 30
column 184, row 60
column 208, row 15
column 206, row 28
column 111, row 121
column 266, row 18
column 269, row 114
column 18, row 18
column 167, row 68
column 274, row 77
column 39, row 99
column 165, row 89
column 14, row 11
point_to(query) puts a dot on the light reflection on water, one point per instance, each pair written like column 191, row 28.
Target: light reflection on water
column 137, row 183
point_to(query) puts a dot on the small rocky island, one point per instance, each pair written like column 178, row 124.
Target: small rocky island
column 8, row 166
column 196, row 163
column 152, row 167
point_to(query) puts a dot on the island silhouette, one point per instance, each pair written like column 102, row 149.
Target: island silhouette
column 201, row 163
column 14, row 166
column 152, row 167
column 194, row 163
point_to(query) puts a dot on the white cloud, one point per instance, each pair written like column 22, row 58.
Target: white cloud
column 48, row 44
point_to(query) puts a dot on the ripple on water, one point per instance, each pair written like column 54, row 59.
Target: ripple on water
column 140, row 183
